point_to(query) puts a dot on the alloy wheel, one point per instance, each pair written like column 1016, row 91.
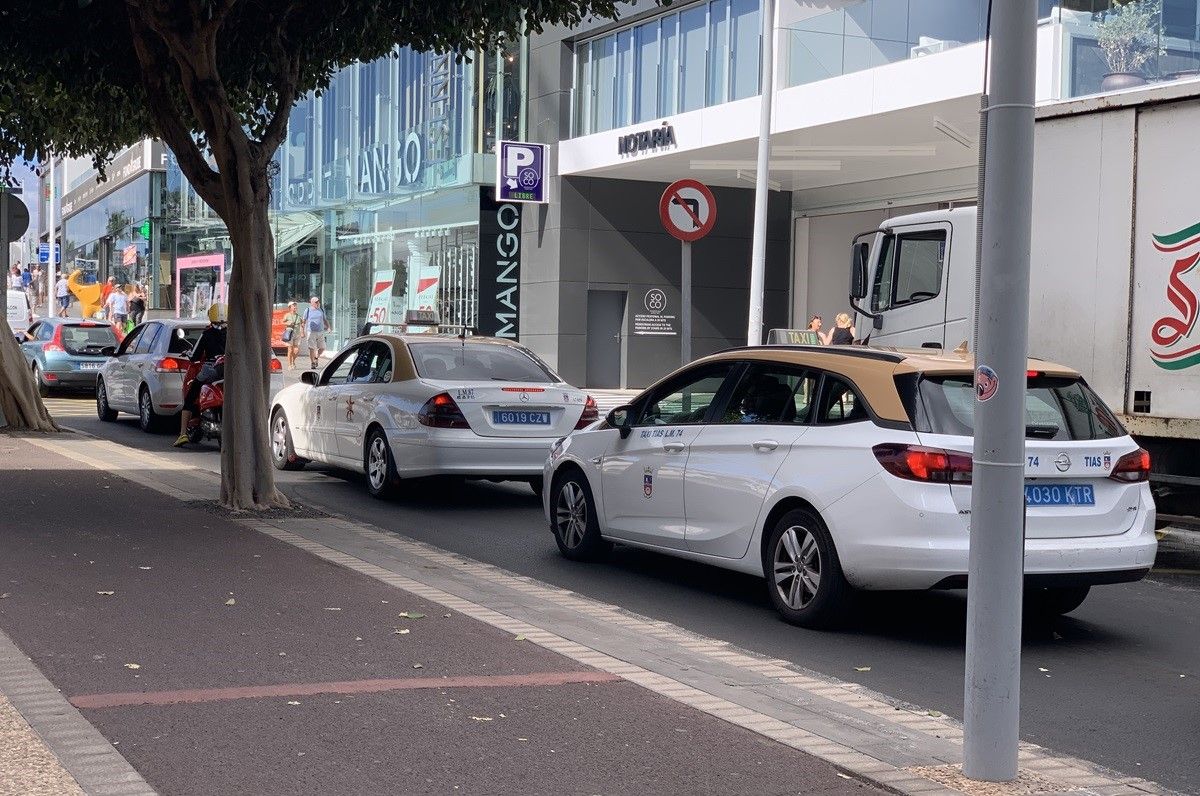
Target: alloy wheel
column 279, row 437
column 147, row 410
column 797, row 565
column 377, row 463
column 571, row 514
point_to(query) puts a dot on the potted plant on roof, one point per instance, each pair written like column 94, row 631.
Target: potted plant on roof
column 1129, row 35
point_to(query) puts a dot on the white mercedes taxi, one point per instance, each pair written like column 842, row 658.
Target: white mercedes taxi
column 413, row 405
column 828, row 469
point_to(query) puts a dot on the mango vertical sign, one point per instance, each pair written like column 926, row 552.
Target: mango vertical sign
column 1165, row 334
column 499, row 266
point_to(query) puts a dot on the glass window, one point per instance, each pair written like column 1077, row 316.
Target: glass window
column 840, row 403
column 604, row 52
column 693, row 39
column 668, row 92
column 338, row 371
column 130, row 341
column 718, row 48
column 374, row 364
column 1056, row 408
column 45, row 331
column 625, row 78
column 685, row 399
column 584, row 90
column 456, row 361
column 772, row 394
column 881, row 287
column 919, row 259
column 184, row 339
column 647, row 72
column 145, row 343
column 747, row 28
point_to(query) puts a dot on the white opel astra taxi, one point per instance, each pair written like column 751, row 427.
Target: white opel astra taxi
column 831, row 469
column 414, row 405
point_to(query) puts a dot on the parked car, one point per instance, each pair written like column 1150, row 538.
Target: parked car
column 19, row 313
column 67, row 352
column 831, row 469
column 144, row 374
column 407, row 406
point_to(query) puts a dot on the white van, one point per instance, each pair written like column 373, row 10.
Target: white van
column 20, row 313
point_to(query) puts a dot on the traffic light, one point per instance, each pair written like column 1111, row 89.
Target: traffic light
column 144, row 229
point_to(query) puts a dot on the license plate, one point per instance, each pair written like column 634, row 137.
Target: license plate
column 520, row 418
column 91, row 365
column 1060, row 495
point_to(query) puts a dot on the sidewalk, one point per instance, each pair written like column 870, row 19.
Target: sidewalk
column 215, row 659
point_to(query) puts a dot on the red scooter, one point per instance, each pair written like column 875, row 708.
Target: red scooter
column 206, row 423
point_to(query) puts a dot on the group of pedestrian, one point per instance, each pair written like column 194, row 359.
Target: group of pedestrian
column 309, row 326
column 31, row 281
column 843, row 332
column 124, row 305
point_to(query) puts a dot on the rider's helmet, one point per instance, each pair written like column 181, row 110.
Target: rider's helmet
column 218, row 313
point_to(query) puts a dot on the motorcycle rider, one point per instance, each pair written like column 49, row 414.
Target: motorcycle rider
column 210, row 346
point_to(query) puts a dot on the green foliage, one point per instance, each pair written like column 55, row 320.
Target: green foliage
column 1129, row 34
column 71, row 78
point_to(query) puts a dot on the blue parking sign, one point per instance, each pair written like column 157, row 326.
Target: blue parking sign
column 521, row 172
column 44, row 253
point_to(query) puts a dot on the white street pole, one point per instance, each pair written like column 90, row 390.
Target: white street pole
column 758, row 257
column 685, row 284
column 997, row 523
column 50, row 269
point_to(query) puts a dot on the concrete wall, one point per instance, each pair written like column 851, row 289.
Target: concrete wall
column 605, row 235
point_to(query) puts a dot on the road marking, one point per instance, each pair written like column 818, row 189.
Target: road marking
column 196, row 695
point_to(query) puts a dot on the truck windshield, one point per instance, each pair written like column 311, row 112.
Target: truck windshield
column 1056, row 408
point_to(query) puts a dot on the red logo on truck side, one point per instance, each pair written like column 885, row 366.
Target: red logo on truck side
column 1171, row 330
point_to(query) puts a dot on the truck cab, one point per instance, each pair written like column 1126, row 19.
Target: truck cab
column 912, row 281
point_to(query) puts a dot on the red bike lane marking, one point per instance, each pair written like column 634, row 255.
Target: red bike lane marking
column 197, row 695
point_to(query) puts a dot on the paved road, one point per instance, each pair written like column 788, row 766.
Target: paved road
column 1116, row 682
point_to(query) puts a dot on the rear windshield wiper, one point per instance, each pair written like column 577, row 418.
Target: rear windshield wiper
column 1048, row 431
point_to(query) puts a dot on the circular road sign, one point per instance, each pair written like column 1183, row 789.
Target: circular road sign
column 688, row 210
column 17, row 213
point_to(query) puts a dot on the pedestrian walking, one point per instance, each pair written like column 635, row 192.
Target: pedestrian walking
column 137, row 304
column 26, row 279
column 843, row 333
column 293, row 331
column 39, row 285
column 14, row 279
column 62, row 291
column 316, row 324
column 117, row 307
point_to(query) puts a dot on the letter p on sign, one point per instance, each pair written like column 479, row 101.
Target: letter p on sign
column 515, row 158
column 521, row 172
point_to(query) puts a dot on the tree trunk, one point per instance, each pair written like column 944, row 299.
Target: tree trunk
column 247, row 473
column 21, row 408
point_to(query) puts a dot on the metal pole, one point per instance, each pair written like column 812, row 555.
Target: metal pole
column 758, row 256
column 6, row 254
column 997, row 544
column 685, row 282
column 51, row 268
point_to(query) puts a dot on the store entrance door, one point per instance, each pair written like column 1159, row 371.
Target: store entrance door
column 605, row 326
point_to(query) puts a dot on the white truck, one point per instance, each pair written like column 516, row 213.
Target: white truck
column 1114, row 283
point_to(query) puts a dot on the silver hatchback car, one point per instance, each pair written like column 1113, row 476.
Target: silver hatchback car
column 144, row 376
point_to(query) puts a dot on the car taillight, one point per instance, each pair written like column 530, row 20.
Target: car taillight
column 1132, row 467
column 915, row 463
column 276, row 365
column 55, row 343
column 170, row 365
column 440, row 411
column 590, row 413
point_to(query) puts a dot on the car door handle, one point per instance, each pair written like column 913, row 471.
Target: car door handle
column 673, row 447
column 765, row 445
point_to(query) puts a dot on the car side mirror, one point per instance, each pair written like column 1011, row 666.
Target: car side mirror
column 620, row 419
column 109, row 351
column 858, row 270
column 309, row 377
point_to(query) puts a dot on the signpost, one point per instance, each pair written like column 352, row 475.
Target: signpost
column 521, row 173
column 688, row 212
column 44, row 253
column 14, row 220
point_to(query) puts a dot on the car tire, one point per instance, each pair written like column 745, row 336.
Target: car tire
column 103, row 411
column 283, row 454
column 379, row 465
column 43, row 388
column 804, row 574
column 148, row 420
column 1055, row 602
column 573, row 519
column 537, row 483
